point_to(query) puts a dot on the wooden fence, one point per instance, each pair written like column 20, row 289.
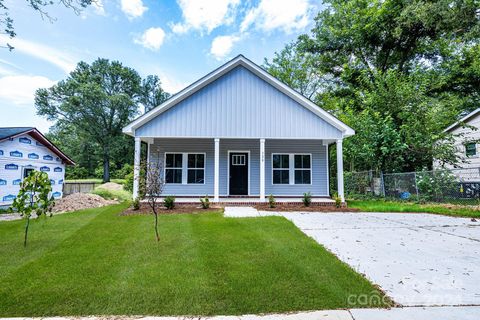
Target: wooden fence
column 78, row 187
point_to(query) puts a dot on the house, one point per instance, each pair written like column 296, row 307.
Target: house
column 240, row 132
column 23, row 150
column 467, row 142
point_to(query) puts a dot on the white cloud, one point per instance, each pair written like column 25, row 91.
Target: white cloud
column 20, row 89
column 98, row 7
column 222, row 46
column 56, row 57
column 133, row 8
column 151, row 39
column 205, row 15
column 289, row 15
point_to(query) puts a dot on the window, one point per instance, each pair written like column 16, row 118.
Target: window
column 281, row 169
column 196, row 168
column 291, row 169
column 173, row 167
column 238, row 160
column 302, row 169
column 185, row 168
column 470, row 149
column 27, row 171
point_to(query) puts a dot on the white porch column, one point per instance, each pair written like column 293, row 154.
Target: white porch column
column 216, row 172
column 262, row 169
column 136, row 167
column 340, row 170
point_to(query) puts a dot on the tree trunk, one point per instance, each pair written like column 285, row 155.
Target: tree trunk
column 106, row 168
column 26, row 232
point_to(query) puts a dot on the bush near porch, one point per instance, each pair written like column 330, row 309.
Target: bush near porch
column 98, row 262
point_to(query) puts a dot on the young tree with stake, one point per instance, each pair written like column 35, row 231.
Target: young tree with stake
column 34, row 198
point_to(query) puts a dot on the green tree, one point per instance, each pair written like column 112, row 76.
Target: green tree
column 399, row 70
column 297, row 69
column 98, row 100
column 152, row 93
column 40, row 6
column 34, row 198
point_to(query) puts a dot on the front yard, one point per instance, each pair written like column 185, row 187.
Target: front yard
column 397, row 206
column 96, row 262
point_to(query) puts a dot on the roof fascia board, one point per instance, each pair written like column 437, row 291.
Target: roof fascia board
column 44, row 141
column 462, row 120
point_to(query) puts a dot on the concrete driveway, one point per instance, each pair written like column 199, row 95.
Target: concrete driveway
column 417, row 259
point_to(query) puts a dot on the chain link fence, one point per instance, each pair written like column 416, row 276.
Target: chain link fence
column 446, row 186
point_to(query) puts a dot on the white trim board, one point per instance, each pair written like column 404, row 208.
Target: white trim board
column 240, row 60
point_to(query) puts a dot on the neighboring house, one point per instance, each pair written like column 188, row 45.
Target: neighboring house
column 240, row 132
column 466, row 133
column 23, row 150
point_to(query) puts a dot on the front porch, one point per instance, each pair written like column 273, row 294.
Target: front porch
column 251, row 201
column 243, row 171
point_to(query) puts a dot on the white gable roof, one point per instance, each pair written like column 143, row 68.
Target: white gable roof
column 463, row 120
column 219, row 72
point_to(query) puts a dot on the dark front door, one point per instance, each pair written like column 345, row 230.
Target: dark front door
column 239, row 173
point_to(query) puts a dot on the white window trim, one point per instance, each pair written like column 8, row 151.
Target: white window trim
column 476, row 155
column 185, row 168
column 291, row 169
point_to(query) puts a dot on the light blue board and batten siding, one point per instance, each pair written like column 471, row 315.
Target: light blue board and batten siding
column 239, row 105
column 319, row 186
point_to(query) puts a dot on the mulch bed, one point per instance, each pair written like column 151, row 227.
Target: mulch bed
column 299, row 207
column 179, row 209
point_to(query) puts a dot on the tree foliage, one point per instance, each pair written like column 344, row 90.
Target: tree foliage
column 90, row 108
column 40, row 6
column 397, row 71
column 154, row 185
column 34, row 198
column 152, row 93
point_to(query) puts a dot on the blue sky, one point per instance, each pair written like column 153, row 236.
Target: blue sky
column 180, row 41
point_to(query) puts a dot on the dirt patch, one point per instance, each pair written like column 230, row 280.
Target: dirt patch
column 111, row 186
column 79, row 201
column 282, row 207
column 179, row 208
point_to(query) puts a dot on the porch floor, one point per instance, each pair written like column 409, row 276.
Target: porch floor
column 253, row 201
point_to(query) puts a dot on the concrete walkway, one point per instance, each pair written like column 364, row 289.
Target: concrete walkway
column 417, row 259
column 410, row 313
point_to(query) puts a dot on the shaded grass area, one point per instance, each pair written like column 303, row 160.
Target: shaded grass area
column 96, row 262
column 394, row 206
column 121, row 195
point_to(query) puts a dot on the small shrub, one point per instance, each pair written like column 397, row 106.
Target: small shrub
column 271, row 201
column 169, row 202
column 205, row 202
column 338, row 200
column 307, row 199
column 136, row 203
column 128, row 184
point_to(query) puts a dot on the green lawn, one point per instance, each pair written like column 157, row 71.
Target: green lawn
column 95, row 180
column 395, row 206
column 97, row 262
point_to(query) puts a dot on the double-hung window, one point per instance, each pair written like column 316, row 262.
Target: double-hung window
column 471, row 149
column 196, row 168
column 281, row 169
column 291, row 168
column 185, row 168
column 303, row 168
column 173, row 167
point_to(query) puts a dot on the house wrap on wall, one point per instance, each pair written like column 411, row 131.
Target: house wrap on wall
column 23, row 150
